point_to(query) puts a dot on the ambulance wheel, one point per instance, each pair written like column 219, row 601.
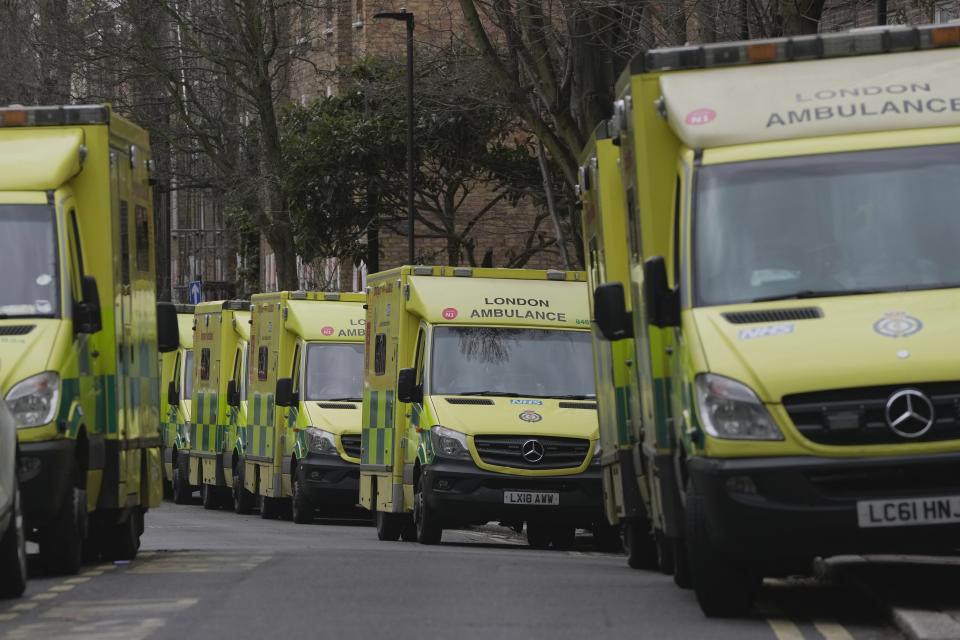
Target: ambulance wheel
column 61, row 545
column 563, row 536
column 182, row 491
column 681, row 564
column 210, row 496
column 640, row 545
column 724, row 587
column 270, row 508
column 243, row 501
column 13, row 552
column 121, row 541
column 409, row 531
column 389, row 526
column 666, row 553
column 429, row 530
column 300, row 504
column 538, row 535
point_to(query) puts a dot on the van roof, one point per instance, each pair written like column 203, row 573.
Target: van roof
column 39, row 159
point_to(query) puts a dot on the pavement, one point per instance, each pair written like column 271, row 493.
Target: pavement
column 213, row 574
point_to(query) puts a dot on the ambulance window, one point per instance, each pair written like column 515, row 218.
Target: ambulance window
column 124, row 243
column 242, row 381
column 380, row 355
column 205, row 364
column 143, row 239
column 176, row 368
column 677, row 212
column 418, row 362
column 295, row 372
column 76, row 256
column 262, row 355
column 188, row 376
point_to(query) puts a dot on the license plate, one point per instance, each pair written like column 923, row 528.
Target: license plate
column 535, row 498
column 910, row 512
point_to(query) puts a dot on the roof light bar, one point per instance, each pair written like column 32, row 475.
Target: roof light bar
column 423, row 271
column 19, row 116
column 857, row 42
column 331, row 296
column 236, row 305
column 553, row 274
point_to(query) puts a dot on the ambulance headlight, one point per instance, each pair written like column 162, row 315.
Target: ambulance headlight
column 322, row 442
column 34, row 401
column 449, row 443
column 731, row 410
column 597, row 452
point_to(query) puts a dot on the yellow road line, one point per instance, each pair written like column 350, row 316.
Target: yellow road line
column 831, row 630
column 45, row 596
column 76, row 580
column 784, row 629
column 61, row 587
column 24, row 606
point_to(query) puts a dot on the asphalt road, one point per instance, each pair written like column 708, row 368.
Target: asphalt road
column 215, row 575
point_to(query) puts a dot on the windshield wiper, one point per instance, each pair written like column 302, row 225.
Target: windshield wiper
column 500, row 394
column 341, row 400
column 573, row 396
column 810, row 293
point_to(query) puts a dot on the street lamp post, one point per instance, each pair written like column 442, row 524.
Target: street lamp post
column 407, row 17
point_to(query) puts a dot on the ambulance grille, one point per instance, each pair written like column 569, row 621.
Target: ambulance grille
column 578, row 405
column 336, row 405
column 857, row 417
column 16, row 330
column 506, row 451
column 483, row 401
column 773, row 315
column 351, row 445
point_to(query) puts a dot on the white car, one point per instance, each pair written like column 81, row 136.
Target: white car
column 13, row 550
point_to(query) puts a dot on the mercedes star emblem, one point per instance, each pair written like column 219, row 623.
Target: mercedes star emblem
column 910, row 413
column 532, row 451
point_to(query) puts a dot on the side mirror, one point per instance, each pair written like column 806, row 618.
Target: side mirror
column 168, row 329
column 610, row 310
column 407, row 388
column 662, row 302
column 286, row 396
column 88, row 318
column 173, row 394
column 233, row 394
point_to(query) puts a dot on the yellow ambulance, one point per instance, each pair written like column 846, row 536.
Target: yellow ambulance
column 479, row 403
column 80, row 327
column 790, row 216
column 176, row 385
column 302, row 441
column 218, row 404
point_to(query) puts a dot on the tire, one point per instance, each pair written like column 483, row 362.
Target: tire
column 389, row 526
column 13, row 552
column 538, row 535
column 182, row 491
column 681, row 564
column 208, row 497
column 563, row 537
column 639, row 545
column 724, row 587
column 300, row 505
column 243, row 500
column 666, row 553
column 121, row 541
column 270, row 508
column 61, row 544
column 409, row 531
column 606, row 538
column 429, row 529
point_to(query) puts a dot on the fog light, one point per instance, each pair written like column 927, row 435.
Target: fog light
column 743, row 485
column 443, row 484
column 316, row 475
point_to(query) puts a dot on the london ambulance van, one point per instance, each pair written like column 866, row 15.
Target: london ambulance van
column 80, row 327
column 302, row 443
column 220, row 337
column 479, row 403
column 176, row 385
column 791, row 217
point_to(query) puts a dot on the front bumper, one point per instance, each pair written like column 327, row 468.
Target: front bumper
column 807, row 506
column 330, row 481
column 45, row 478
column 461, row 493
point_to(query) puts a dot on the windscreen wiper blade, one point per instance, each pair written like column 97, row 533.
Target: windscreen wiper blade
column 810, row 293
column 341, row 400
column 501, row 394
column 573, row 396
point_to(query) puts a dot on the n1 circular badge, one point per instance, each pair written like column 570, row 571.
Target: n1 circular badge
column 897, row 324
column 530, row 416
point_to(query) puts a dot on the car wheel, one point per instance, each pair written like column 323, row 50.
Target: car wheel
column 243, row 500
column 61, row 544
column 300, row 504
column 389, row 526
column 429, row 530
column 538, row 535
column 182, row 491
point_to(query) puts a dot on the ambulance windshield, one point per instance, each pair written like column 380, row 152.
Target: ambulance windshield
column 827, row 225
column 491, row 361
column 28, row 258
column 334, row 372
